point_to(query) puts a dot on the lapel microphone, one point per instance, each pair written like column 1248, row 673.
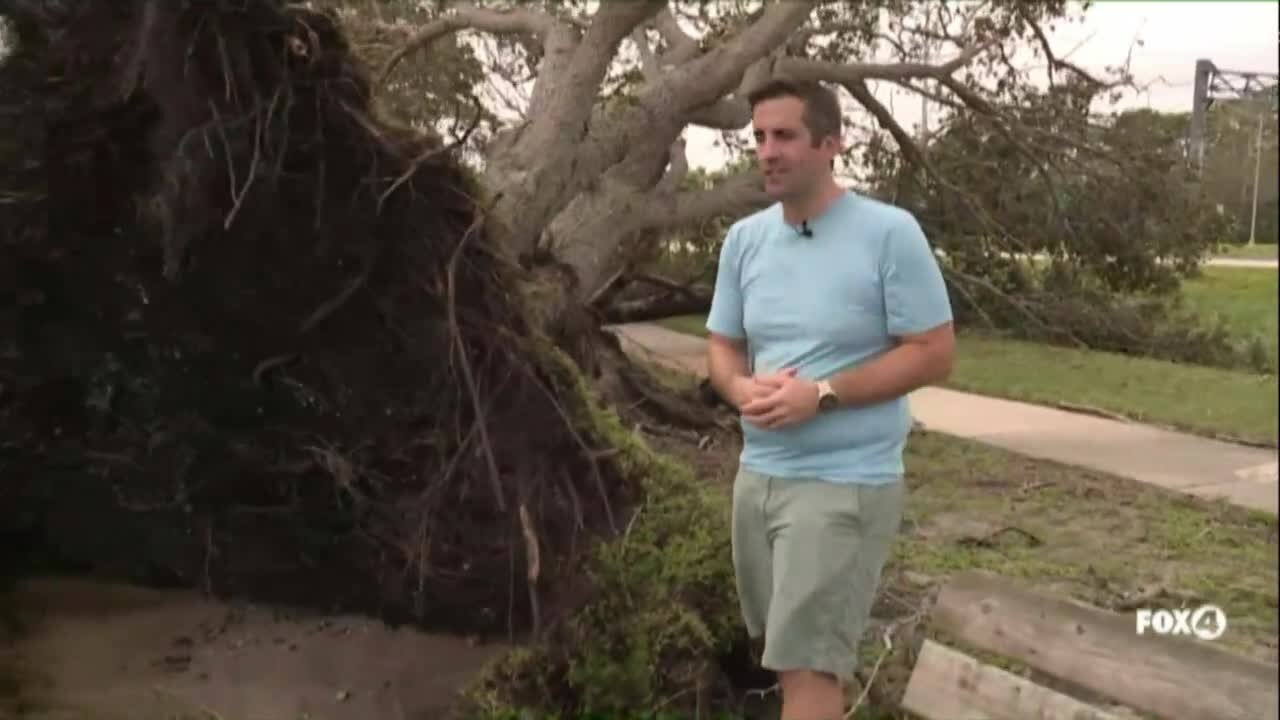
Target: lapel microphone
column 804, row 229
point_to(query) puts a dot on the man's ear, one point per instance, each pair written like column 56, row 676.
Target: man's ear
column 832, row 143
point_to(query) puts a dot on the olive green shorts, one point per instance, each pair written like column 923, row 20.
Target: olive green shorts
column 808, row 555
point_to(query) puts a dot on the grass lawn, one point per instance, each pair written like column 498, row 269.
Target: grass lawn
column 1090, row 536
column 1192, row 398
column 1247, row 252
column 1244, row 298
column 1196, row 399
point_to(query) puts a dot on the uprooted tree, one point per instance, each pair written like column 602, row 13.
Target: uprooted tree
column 264, row 340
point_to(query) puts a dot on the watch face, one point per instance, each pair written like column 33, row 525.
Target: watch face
column 827, row 402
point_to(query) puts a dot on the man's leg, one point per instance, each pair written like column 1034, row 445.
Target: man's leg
column 752, row 557
column 830, row 543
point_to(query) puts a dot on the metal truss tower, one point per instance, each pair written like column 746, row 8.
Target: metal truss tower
column 1214, row 83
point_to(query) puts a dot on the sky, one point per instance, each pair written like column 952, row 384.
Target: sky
column 1234, row 35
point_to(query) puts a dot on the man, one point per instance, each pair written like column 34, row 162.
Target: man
column 829, row 308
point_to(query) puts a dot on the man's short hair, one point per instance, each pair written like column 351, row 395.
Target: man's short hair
column 821, row 108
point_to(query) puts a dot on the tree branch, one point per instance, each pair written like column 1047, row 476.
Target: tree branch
column 1054, row 61
column 466, row 16
column 613, row 208
column 731, row 113
column 662, row 109
column 702, row 81
column 610, row 190
column 844, row 73
column 739, row 194
column 658, row 305
column 909, row 148
column 858, row 89
column 681, row 46
column 648, row 61
column 677, row 169
column 543, row 166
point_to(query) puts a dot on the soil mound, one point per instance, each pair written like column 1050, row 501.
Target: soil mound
column 256, row 340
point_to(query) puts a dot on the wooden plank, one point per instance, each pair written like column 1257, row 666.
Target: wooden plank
column 1171, row 677
column 948, row 685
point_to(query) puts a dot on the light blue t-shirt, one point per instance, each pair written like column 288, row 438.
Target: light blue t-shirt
column 822, row 304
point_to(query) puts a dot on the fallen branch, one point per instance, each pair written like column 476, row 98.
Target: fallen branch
column 658, row 306
column 990, row 540
column 1092, row 410
column 887, row 638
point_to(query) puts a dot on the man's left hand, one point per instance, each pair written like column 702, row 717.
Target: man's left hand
column 795, row 401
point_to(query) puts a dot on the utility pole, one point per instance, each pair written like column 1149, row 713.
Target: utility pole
column 1257, row 167
column 1199, row 106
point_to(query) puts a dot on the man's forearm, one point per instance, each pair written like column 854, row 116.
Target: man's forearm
column 726, row 366
column 905, row 368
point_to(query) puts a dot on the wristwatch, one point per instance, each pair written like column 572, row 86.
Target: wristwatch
column 827, row 399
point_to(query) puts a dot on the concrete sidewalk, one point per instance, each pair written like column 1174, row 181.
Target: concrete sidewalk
column 1243, row 475
column 1243, row 263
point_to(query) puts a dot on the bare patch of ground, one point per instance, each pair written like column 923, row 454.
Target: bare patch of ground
column 81, row 650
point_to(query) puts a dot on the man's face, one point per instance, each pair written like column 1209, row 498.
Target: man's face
column 792, row 166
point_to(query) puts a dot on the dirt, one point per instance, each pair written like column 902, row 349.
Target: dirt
column 80, row 649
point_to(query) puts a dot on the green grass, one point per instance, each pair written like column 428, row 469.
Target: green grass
column 1244, row 298
column 1100, row 537
column 1249, row 252
column 1196, row 399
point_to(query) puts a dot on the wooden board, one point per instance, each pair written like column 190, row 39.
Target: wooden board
column 948, row 685
column 1171, row 677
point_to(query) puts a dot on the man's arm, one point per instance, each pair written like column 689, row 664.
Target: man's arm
column 727, row 365
column 727, row 368
column 918, row 315
column 917, row 360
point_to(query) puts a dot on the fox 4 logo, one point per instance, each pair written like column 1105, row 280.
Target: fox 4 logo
column 1206, row 622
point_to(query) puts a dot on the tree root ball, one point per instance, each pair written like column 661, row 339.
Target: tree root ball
column 258, row 339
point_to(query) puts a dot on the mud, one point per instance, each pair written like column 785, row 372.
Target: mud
column 75, row 650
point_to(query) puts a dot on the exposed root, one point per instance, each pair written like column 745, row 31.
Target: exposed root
column 992, row 539
column 461, row 356
column 534, row 570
